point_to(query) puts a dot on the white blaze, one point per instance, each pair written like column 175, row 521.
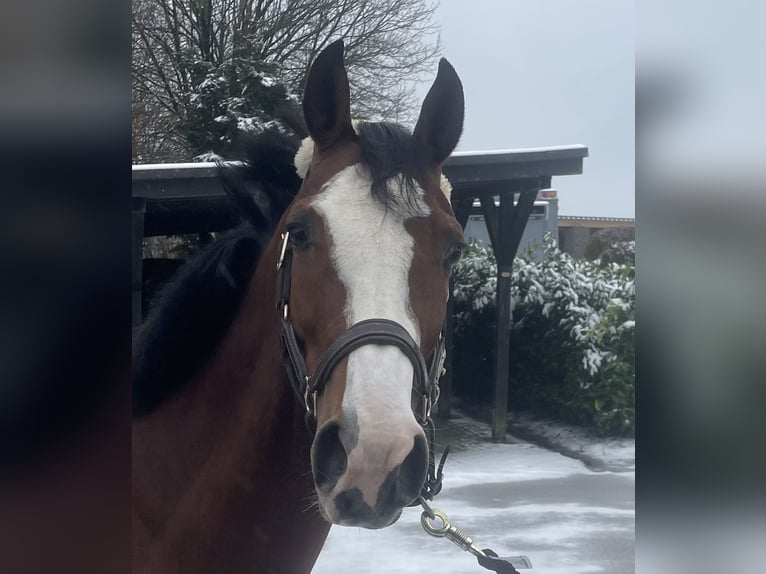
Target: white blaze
column 372, row 253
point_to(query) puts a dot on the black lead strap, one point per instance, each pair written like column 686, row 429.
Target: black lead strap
column 491, row 561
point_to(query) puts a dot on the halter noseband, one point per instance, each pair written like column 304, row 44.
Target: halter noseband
column 368, row 332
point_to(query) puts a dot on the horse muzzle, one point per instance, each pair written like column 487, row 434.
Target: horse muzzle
column 367, row 481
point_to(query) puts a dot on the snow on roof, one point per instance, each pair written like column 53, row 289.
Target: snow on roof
column 190, row 165
column 479, row 153
column 457, row 154
column 585, row 218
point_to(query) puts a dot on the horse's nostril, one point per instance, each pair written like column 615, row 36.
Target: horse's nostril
column 403, row 484
column 328, row 457
column 412, row 472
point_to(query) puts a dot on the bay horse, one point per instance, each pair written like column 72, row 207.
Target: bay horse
column 226, row 476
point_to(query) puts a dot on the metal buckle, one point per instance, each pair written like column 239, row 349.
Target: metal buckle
column 283, row 249
column 441, row 370
column 313, row 408
column 426, row 407
column 437, row 393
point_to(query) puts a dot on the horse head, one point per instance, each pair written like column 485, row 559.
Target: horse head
column 371, row 236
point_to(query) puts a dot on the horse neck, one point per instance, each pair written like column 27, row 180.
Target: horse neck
column 229, row 456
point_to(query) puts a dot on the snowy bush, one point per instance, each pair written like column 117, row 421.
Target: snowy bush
column 475, row 281
column 572, row 338
column 239, row 95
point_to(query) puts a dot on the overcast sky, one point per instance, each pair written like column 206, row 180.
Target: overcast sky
column 548, row 73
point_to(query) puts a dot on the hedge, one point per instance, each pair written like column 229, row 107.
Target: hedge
column 572, row 340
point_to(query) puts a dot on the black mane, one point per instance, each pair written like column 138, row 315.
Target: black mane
column 191, row 314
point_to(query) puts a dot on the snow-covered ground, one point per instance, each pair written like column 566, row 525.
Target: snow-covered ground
column 515, row 498
column 598, row 452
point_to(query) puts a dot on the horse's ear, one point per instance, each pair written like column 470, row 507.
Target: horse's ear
column 441, row 117
column 326, row 100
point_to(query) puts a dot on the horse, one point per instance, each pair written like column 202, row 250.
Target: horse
column 336, row 316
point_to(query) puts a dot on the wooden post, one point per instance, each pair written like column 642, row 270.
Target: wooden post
column 510, row 225
column 462, row 210
column 504, row 260
column 445, row 399
column 137, row 256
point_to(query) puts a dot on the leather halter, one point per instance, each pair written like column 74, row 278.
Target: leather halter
column 368, row 332
column 425, row 384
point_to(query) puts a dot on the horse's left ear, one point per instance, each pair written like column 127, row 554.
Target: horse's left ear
column 326, row 99
column 441, row 117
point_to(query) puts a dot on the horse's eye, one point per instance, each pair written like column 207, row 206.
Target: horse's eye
column 299, row 236
column 453, row 255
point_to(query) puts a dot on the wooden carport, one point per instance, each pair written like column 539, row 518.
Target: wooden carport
column 188, row 198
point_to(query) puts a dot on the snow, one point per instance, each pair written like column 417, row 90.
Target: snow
column 518, row 150
column 268, row 81
column 175, row 166
column 255, row 124
column 598, row 452
column 208, row 157
column 211, row 82
column 516, row 498
column 246, row 124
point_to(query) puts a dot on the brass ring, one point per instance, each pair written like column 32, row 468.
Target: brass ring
column 429, row 527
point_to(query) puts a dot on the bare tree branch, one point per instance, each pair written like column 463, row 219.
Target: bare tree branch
column 179, row 44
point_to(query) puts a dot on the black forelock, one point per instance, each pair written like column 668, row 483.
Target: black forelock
column 388, row 151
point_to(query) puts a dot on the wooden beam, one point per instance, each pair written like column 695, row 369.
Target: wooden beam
column 444, row 409
column 462, row 209
column 512, row 220
column 520, row 216
column 491, row 215
column 504, row 257
column 137, row 257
